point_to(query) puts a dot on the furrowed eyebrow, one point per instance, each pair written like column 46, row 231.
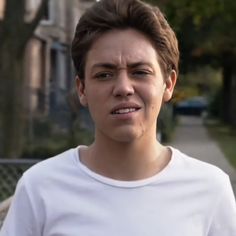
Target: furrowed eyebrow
column 137, row 64
column 113, row 66
column 105, row 65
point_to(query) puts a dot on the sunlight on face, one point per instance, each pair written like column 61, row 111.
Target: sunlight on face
column 124, row 86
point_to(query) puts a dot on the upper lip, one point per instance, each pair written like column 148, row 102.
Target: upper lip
column 125, row 106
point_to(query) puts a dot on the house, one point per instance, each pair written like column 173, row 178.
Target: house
column 49, row 72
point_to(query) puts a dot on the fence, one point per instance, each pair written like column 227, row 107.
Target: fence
column 10, row 172
column 4, row 206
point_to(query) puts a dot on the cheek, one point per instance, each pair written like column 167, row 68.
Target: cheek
column 153, row 95
column 96, row 101
column 94, row 95
column 153, row 100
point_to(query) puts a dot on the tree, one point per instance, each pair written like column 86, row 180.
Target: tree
column 15, row 32
column 206, row 31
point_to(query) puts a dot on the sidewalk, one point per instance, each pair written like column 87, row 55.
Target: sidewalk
column 191, row 137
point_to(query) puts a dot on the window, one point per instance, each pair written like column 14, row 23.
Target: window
column 48, row 13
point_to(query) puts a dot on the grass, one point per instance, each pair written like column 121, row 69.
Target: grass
column 225, row 137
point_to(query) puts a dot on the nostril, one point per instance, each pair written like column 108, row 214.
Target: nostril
column 122, row 90
column 123, row 94
column 123, row 85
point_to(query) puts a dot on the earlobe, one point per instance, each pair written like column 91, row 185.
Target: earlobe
column 169, row 86
column 81, row 91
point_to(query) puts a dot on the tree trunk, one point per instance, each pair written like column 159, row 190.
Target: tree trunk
column 14, row 35
column 12, row 101
column 226, row 94
column 233, row 101
column 228, row 109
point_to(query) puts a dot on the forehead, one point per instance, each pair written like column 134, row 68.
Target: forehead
column 122, row 47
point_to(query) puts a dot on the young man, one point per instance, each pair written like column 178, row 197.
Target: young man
column 125, row 183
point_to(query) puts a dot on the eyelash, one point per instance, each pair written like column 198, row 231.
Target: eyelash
column 142, row 72
column 103, row 75
column 106, row 75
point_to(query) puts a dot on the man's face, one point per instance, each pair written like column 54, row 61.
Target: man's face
column 124, row 87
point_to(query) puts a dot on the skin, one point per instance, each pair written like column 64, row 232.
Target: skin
column 124, row 89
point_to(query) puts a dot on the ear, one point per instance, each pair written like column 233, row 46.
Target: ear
column 169, row 86
column 81, row 91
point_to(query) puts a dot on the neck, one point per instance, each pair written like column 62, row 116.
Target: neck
column 125, row 160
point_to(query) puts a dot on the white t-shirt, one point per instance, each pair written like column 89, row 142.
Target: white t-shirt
column 62, row 197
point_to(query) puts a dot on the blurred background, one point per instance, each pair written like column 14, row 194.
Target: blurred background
column 40, row 115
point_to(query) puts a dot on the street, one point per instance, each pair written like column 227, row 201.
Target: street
column 192, row 138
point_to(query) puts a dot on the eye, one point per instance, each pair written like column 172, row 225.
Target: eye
column 105, row 75
column 141, row 73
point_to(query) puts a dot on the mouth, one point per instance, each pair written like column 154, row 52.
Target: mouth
column 124, row 109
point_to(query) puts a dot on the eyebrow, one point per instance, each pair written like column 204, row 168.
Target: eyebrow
column 114, row 66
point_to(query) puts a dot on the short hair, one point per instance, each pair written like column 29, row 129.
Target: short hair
column 107, row 15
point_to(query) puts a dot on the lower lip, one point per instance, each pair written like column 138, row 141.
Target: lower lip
column 125, row 116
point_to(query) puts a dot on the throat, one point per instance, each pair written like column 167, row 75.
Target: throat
column 126, row 165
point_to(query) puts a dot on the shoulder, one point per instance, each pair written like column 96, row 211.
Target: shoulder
column 52, row 168
column 190, row 163
column 195, row 170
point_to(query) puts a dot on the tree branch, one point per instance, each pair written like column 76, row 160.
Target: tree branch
column 29, row 28
column 14, row 12
column 1, row 23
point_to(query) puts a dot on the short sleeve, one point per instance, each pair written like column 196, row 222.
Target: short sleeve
column 20, row 219
column 224, row 217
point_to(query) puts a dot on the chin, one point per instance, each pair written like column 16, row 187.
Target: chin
column 126, row 137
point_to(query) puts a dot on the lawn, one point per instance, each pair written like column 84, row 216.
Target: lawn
column 225, row 137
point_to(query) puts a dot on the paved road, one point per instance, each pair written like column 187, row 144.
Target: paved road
column 191, row 137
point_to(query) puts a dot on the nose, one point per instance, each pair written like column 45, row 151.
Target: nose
column 123, row 86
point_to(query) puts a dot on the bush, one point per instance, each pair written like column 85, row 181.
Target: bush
column 215, row 105
column 49, row 139
column 165, row 122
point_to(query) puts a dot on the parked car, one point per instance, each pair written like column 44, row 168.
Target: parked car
column 192, row 106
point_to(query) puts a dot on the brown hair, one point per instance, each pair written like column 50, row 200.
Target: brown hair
column 106, row 15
